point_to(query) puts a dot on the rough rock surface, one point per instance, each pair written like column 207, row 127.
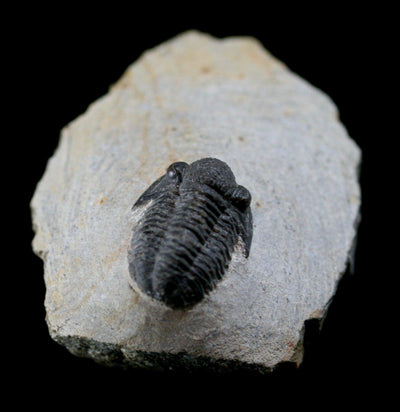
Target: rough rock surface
column 192, row 97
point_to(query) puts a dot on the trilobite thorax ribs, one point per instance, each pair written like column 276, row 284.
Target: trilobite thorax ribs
column 183, row 242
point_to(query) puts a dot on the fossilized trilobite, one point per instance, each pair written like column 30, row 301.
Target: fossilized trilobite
column 190, row 221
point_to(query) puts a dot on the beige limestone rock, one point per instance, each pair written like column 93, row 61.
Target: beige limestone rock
column 191, row 97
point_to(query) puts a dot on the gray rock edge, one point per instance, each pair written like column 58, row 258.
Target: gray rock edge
column 113, row 355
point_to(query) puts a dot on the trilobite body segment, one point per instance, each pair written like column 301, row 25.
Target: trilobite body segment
column 193, row 218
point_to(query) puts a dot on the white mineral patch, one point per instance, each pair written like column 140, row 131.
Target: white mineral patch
column 192, row 97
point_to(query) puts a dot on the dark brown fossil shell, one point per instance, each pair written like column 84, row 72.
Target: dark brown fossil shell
column 184, row 241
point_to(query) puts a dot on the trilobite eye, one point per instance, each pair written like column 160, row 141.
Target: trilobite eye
column 171, row 173
column 241, row 197
column 176, row 170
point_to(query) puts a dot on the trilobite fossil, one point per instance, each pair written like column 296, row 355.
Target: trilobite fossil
column 190, row 221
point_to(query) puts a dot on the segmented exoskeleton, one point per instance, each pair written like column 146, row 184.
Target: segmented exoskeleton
column 183, row 243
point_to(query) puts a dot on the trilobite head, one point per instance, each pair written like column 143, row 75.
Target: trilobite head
column 191, row 219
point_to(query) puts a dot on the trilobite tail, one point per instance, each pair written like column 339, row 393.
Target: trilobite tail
column 195, row 252
column 181, row 292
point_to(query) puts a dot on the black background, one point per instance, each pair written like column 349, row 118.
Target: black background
column 64, row 59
